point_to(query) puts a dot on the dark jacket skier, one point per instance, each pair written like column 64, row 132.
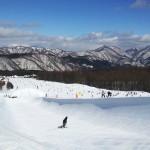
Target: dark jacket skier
column 109, row 94
column 65, row 121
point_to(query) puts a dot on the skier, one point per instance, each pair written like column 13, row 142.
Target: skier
column 64, row 123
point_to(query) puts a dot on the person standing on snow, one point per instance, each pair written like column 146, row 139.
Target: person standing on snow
column 103, row 94
column 65, row 121
column 109, row 94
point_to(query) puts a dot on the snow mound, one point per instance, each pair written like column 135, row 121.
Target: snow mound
column 28, row 92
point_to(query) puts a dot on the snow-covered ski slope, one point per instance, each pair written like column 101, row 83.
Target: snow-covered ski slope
column 23, row 87
column 30, row 123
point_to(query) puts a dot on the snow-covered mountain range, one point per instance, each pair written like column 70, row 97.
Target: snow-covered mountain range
column 33, row 58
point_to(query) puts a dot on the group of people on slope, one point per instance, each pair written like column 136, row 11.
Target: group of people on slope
column 109, row 94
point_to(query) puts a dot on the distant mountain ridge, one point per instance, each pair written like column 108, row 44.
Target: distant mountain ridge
column 34, row 58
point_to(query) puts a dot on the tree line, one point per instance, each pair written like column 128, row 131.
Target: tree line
column 125, row 79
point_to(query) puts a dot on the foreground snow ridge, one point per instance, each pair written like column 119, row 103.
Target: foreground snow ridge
column 32, row 111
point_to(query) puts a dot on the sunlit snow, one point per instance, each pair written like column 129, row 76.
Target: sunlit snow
column 32, row 111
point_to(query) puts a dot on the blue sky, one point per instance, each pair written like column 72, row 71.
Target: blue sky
column 75, row 24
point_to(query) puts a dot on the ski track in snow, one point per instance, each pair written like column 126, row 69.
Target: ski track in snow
column 29, row 123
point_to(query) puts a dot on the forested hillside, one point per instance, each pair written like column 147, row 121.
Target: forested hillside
column 113, row 79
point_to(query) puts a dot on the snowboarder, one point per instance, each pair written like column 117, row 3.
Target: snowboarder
column 64, row 123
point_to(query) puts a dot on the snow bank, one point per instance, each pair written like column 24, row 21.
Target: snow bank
column 105, row 102
column 28, row 92
column 110, row 124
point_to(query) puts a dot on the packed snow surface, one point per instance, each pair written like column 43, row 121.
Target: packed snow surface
column 31, row 112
